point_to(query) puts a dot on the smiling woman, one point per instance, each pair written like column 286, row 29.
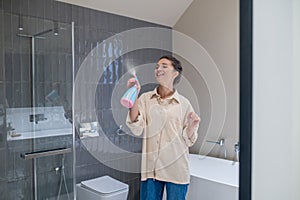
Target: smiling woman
column 169, row 126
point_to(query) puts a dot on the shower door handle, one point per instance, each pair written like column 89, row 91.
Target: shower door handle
column 52, row 152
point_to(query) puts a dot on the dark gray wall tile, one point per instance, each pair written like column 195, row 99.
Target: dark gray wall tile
column 7, row 31
column 64, row 12
column 1, row 4
column 20, row 189
column 8, row 66
column 36, row 8
column 14, row 30
column 26, row 93
column 16, row 67
column 17, row 95
column 15, row 8
column 1, row 29
column 83, row 157
column 25, row 66
column 24, row 7
column 8, row 92
column 3, row 163
column 3, row 189
column 134, row 190
column 48, row 9
column 7, row 5
column 2, row 78
column 75, row 14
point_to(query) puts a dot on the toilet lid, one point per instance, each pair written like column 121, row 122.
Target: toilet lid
column 104, row 185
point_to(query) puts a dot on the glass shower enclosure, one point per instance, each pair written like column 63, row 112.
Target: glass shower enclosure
column 36, row 109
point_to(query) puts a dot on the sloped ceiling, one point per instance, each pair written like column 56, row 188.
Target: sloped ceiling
column 164, row 12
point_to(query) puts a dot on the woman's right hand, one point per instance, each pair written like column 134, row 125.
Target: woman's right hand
column 133, row 81
column 134, row 111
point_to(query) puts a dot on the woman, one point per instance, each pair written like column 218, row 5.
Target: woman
column 169, row 126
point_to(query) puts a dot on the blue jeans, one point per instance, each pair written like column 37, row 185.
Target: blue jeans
column 153, row 190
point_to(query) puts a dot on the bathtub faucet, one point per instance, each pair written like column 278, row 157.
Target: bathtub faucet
column 36, row 118
column 9, row 128
column 237, row 150
column 220, row 142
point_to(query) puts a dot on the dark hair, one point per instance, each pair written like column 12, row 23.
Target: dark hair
column 176, row 64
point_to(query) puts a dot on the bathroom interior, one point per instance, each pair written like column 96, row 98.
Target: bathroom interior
column 61, row 126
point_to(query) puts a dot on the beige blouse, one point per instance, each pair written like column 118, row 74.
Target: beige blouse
column 165, row 150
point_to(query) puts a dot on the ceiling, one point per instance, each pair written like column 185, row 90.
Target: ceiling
column 164, row 12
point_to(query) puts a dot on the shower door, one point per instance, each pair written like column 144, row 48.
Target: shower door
column 39, row 110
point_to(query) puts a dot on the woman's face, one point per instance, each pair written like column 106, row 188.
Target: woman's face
column 165, row 73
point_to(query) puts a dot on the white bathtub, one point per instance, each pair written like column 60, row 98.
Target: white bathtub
column 213, row 179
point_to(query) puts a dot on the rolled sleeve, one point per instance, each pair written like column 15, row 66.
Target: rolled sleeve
column 136, row 126
column 190, row 141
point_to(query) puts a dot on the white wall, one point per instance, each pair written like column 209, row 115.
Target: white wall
column 274, row 93
column 296, row 100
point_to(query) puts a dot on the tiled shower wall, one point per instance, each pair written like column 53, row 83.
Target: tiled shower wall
column 91, row 28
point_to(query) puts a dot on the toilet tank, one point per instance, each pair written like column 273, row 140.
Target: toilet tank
column 102, row 188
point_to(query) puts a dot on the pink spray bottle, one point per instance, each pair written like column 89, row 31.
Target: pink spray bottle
column 130, row 95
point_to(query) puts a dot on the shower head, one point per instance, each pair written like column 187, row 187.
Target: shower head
column 20, row 23
column 55, row 28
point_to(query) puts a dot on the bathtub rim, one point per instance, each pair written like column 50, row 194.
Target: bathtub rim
column 235, row 164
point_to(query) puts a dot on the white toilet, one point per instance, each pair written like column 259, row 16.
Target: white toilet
column 102, row 188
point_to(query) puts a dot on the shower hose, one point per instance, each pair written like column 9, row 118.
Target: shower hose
column 63, row 178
